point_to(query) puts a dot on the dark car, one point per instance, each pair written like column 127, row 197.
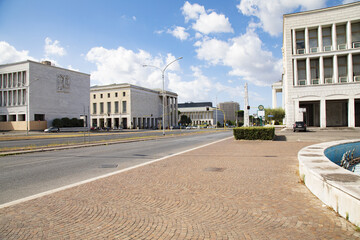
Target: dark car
column 300, row 126
column 52, row 129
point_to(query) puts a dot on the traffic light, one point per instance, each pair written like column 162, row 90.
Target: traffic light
column 248, row 107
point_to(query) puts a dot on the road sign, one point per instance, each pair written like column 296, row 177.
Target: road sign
column 270, row 115
column 261, row 113
column 261, row 107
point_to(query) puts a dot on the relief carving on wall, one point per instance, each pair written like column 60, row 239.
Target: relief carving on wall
column 63, row 83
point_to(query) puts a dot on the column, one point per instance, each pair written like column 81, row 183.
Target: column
column 335, row 70
column 296, row 111
column 350, row 68
column 321, row 69
column 333, row 36
column 274, row 98
column 323, row 113
column 176, row 111
column 351, row 113
column 308, row 72
column 307, row 49
column 320, row 42
column 295, row 73
column 294, row 41
column 348, row 35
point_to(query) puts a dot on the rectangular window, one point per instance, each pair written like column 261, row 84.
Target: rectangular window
column 326, row 38
column 116, row 94
column 313, row 40
column 94, row 108
column 108, row 107
column 355, row 34
column 5, row 80
column 342, row 68
column 124, row 94
column 314, row 66
column 24, row 78
column 301, row 65
column 101, row 95
column 328, row 68
column 94, row 96
column 356, row 67
column 108, row 95
column 300, row 42
column 101, row 108
column 116, row 107
column 39, row 117
column 341, row 36
column 123, row 106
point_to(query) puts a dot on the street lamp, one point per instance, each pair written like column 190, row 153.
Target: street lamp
column 163, row 89
column 27, row 105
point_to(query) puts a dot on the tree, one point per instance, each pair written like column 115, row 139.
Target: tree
column 185, row 120
column 277, row 113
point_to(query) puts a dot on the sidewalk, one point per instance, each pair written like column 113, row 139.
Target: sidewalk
column 229, row 190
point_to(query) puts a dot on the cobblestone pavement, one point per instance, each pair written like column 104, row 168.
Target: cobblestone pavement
column 229, row 190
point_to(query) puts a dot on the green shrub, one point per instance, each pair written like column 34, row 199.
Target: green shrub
column 254, row 133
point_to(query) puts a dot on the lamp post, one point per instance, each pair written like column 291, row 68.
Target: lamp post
column 27, row 105
column 163, row 88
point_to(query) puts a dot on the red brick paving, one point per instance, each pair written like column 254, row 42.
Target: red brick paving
column 229, row 190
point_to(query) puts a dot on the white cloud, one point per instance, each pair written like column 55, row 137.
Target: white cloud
column 245, row 56
column 206, row 22
column 53, row 48
column 179, row 32
column 8, row 54
column 270, row 12
column 212, row 23
column 192, row 11
column 349, row 1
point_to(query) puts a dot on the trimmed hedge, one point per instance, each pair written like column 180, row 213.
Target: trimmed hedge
column 254, row 133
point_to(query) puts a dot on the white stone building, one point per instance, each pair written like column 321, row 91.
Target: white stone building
column 321, row 60
column 201, row 113
column 230, row 109
column 33, row 94
column 129, row 106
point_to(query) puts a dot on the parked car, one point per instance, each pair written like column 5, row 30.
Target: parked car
column 299, row 126
column 52, row 129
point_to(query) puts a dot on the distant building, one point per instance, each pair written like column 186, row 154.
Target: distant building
column 130, row 106
column 201, row 113
column 230, row 109
column 321, row 59
column 33, row 94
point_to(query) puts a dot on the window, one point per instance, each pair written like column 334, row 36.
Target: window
column 101, row 108
column 101, row 95
column 342, row 68
column 356, row 68
column 301, row 65
column 3, row 118
column 124, row 94
column 328, row 70
column 108, row 95
column 116, row 94
column 94, row 96
column 300, row 42
column 326, row 38
column 313, row 40
column 108, row 107
column 94, row 108
column 123, row 106
column 39, row 117
column 116, row 107
column 341, row 36
column 314, row 66
column 355, row 33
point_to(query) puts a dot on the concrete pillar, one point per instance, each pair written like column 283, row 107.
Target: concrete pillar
column 296, row 113
column 351, row 112
column 295, row 73
column 335, row 70
column 294, row 41
column 308, row 72
column 307, row 47
column 323, row 113
column 274, row 98
column 320, row 42
column 350, row 68
column 333, row 36
column 348, row 35
column 176, row 111
column 321, row 70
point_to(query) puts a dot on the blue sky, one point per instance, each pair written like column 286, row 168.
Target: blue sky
column 224, row 44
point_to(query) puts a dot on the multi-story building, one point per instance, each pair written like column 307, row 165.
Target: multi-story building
column 129, row 106
column 230, row 109
column 321, row 59
column 33, row 94
column 201, row 113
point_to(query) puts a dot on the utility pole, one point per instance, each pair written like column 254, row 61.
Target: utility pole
column 246, row 110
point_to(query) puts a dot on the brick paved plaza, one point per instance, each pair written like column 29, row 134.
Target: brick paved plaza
column 229, row 190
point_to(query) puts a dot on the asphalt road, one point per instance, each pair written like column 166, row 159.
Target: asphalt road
column 29, row 174
column 45, row 139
